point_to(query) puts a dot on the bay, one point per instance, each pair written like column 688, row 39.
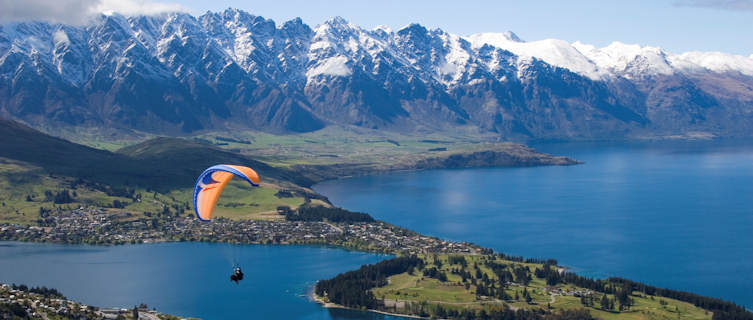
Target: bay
column 671, row 214
column 188, row 279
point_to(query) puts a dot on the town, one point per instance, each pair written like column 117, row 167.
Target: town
column 92, row 225
column 22, row 302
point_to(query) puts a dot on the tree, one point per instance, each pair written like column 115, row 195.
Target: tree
column 623, row 296
column 605, row 302
column 62, row 197
column 527, row 295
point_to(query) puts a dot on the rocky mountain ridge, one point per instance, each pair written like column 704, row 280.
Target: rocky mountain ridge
column 176, row 74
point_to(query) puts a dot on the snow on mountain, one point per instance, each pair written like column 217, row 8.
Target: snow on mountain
column 627, row 60
column 616, row 59
column 336, row 66
column 552, row 51
column 160, row 71
column 713, row 61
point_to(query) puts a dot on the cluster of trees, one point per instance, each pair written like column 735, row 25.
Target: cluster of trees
column 226, row 139
column 489, row 289
column 549, row 273
column 522, row 275
column 457, row 260
column 623, row 288
column 119, row 204
column 13, row 311
column 436, row 274
column 68, row 196
column 606, row 303
column 464, row 274
column 722, row 309
column 353, row 289
column 501, row 271
column 424, row 309
column 59, row 197
column 123, row 192
column 521, row 259
column 320, row 213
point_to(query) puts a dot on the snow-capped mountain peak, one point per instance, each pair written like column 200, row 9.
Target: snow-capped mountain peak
column 552, row 51
column 628, row 60
column 162, row 71
column 718, row 62
column 383, row 28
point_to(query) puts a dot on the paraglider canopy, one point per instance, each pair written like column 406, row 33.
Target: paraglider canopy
column 212, row 181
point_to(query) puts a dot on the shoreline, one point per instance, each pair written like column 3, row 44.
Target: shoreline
column 325, row 304
column 502, row 155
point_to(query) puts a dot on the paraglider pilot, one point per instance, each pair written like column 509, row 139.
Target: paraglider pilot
column 237, row 275
column 207, row 191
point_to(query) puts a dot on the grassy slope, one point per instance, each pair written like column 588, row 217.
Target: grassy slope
column 162, row 170
column 453, row 294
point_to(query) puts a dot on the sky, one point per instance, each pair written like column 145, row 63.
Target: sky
column 675, row 25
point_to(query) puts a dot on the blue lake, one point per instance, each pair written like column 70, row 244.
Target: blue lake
column 187, row 279
column 671, row 214
column 678, row 215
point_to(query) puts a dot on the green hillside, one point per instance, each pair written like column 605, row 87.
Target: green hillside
column 39, row 172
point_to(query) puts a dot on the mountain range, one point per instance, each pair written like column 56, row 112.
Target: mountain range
column 175, row 74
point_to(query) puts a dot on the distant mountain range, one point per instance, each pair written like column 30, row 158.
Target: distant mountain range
column 177, row 73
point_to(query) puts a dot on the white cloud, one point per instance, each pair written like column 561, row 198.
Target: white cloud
column 137, row 7
column 336, row 66
column 79, row 11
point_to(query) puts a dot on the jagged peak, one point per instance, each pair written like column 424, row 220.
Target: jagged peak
column 230, row 11
column 382, row 28
column 240, row 15
column 413, row 28
column 338, row 21
column 114, row 20
column 295, row 24
column 337, row 26
column 294, row 21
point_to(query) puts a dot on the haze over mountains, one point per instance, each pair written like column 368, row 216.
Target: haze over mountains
column 176, row 74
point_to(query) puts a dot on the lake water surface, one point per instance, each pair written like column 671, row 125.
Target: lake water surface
column 187, row 279
column 671, row 214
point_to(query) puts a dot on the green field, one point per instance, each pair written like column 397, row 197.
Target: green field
column 241, row 201
column 24, row 189
column 341, row 145
column 455, row 294
column 330, row 145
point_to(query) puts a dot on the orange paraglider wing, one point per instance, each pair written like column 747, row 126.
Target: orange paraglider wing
column 212, row 181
